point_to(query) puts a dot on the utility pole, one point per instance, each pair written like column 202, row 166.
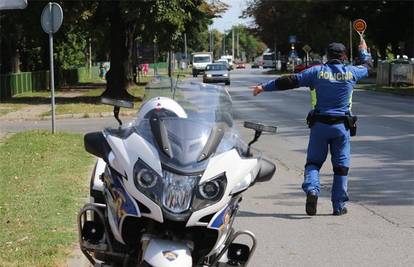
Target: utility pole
column 350, row 43
column 224, row 44
column 209, row 41
column 237, row 51
column 232, row 42
column 90, row 57
column 185, row 47
column 212, row 43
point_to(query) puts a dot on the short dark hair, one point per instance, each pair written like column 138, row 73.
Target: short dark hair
column 336, row 51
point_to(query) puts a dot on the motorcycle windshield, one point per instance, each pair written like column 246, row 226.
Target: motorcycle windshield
column 187, row 123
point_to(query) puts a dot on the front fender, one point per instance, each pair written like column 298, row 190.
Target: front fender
column 166, row 253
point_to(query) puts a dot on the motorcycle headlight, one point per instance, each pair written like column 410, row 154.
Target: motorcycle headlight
column 210, row 192
column 177, row 191
column 146, row 178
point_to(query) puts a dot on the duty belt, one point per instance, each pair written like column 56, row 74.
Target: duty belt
column 329, row 119
column 349, row 121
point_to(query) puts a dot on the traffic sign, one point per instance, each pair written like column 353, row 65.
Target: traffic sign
column 52, row 18
column 306, row 48
column 13, row 4
column 360, row 26
column 292, row 39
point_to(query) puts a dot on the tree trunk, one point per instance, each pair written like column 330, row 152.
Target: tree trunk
column 130, row 36
column 15, row 60
column 5, row 57
column 116, row 93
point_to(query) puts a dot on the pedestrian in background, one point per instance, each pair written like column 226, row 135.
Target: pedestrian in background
column 331, row 121
column 145, row 68
column 102, row 71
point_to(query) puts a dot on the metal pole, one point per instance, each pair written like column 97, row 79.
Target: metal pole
column 185, row 47
column 237, row 47
column 232, row 42
column 274, row 51
column 211, row 41
column 52, row 81
column 224, row 44
column 350, row 43
column 90, row 58
column 52, row 75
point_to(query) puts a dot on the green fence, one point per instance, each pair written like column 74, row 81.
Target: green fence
column 159, row 65
column 75, row 76
column 13, row 84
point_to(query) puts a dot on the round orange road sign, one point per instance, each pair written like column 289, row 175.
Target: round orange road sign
column 360, row 25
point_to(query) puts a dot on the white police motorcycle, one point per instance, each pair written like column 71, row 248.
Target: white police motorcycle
column 166, row 189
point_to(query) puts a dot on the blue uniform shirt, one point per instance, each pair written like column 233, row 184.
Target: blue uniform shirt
column 333, row 84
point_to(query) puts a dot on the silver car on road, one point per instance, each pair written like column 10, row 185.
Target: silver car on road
column 216, row 73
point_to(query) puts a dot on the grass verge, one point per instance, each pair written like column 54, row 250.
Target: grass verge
column 89, row 102
column 7, row 108
column 42, row 185
column 406, row 91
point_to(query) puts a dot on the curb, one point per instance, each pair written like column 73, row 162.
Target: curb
column 72, row 116
column 88, row 115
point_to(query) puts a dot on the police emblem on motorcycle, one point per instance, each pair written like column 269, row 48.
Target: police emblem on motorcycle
column 169, row 255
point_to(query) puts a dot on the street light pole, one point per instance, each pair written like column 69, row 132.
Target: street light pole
column 90, row 58
column 232, row 42
column 224, row 44
column 185, row 47
column 212, row 43
column 237, row 51
column 350, row 43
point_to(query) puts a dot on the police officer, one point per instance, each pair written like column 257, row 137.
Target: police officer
column 331, row 121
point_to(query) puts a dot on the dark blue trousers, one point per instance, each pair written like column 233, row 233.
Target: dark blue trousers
column 336, row 138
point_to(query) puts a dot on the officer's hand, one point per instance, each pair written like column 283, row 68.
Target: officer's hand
column 257, row 90
column 363, row 45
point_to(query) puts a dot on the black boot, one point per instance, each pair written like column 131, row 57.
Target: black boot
column 340, row 212
column 311, row 203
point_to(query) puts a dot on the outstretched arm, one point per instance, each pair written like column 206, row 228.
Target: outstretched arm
column 305, row 78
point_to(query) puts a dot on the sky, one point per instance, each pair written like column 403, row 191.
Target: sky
column 231, row 16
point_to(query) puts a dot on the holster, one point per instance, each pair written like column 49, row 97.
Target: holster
column 350, row 123
column 310, row 119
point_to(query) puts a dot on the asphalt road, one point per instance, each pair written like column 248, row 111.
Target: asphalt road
column 379, row 229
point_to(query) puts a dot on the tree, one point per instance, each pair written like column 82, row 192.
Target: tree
column 114, row 28
column 249, row 44
column 24, row 45
column 162, row 21
column 319, row 22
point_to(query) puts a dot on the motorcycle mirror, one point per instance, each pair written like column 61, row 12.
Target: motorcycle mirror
column 267, row 170
column 116, row 115
column 96, row 144
column 260, row 127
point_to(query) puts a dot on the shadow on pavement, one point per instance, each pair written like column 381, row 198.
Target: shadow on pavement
column 82, row 99
column 274, row 215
